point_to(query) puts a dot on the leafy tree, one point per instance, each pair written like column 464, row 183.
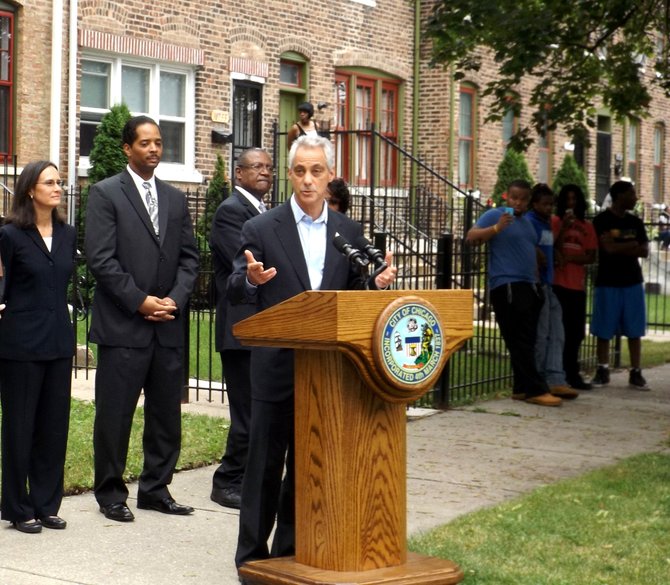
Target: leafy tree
column 107, row 159
column 512, row 167
column 107, row 156
column 578, row 52
column 217, row 190
column 570, row 174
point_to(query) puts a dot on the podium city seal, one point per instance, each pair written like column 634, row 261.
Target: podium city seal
column 409, row 344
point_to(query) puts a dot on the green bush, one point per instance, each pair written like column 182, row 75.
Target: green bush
column 107, row 159
column 217, row 190
column 570, row 174
column 512, row 167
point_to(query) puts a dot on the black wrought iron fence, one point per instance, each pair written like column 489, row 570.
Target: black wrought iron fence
column 423, row 218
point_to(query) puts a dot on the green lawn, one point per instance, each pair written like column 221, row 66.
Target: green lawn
column 203, row 440
column 610, row 526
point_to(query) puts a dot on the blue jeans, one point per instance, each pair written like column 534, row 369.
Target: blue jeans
column 550, row 339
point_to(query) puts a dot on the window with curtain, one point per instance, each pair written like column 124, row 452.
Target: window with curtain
column 510, row 121
column 6, row 81
column 632, row 146
column 659, row 155
column 150, row 89
column 374, row 100
column 466, row 137
column 544, row 154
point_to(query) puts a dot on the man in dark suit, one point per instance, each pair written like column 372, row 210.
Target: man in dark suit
column 253, row 179
column 141, row 250
column 294, row 242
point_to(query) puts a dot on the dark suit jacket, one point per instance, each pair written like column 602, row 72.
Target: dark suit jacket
column 36, row 324
column 225, row 242
column 273, row 239
column 130, row 262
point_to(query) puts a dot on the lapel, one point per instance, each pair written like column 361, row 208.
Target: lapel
column 163, row 208
column 287, row 234
column 330, row 264
column 56, row 240
column 35, row 236
column 250, row 210
column 135, row 198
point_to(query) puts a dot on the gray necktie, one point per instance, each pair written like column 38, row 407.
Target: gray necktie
column 152, row 205
column 261, row 206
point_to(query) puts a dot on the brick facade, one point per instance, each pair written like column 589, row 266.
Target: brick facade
column 223, row 39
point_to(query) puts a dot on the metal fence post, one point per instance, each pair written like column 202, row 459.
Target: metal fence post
column 444, row 279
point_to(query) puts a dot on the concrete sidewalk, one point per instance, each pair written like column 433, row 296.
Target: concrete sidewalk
column 458, row 461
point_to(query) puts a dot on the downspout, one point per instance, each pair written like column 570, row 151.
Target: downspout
column 72, row 105
column 415, row 95
column 56, row 80
column 452, row 117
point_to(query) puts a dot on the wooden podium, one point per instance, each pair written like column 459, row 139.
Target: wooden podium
column 350, row 417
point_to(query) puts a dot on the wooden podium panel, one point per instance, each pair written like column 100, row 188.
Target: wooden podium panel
column 350, row 439
column 350, row 515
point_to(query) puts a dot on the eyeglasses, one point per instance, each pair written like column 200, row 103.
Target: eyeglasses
column 258, row 167
column 52, row 183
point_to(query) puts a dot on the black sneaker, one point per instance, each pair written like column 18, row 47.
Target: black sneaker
column 602, row 377
column 578, row 383
column 636, row 380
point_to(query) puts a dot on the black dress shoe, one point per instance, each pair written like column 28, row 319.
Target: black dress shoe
column 228, row 497
column 165, row 505
column 28, row 526
column 53, row 522
column 119, row 512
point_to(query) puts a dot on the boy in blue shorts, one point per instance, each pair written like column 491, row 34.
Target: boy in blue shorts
column 515, row 294
column 618, row 304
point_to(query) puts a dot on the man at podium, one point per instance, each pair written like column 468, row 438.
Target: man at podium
column 285, row 252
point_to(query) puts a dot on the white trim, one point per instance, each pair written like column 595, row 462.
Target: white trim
column 372, row 3
column 185, row 172
column 245, row 77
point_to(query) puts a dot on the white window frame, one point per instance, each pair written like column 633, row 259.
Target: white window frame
column 186, row 172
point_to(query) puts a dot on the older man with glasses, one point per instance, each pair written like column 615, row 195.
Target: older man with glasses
column 253, row 180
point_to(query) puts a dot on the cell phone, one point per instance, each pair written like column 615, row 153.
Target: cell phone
column 508, row 210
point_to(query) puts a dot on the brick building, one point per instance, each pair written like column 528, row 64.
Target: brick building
column 215, row 74
column 218, row 74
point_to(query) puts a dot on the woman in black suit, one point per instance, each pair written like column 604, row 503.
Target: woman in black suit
column 37, row 343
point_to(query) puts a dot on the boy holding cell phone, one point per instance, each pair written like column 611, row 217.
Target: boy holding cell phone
column 514, row 290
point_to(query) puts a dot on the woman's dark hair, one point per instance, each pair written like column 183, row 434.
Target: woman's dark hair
column 580, row 201
column 22, row 214
column 339, row 194
column 129, row 134
column 306, row 107
column 540, row 190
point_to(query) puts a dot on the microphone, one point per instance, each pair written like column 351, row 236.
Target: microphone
column 354, row 255
column 375, row 255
